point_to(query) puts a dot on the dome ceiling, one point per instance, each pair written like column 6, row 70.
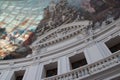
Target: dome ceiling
column 22, row 20
column 18, row 22
column 30, row 4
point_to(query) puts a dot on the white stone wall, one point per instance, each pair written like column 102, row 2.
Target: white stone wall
column 96, row 52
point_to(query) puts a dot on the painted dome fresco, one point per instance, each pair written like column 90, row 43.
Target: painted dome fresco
column 22, row 21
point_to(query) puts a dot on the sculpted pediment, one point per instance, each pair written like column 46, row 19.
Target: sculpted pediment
column 63, row 32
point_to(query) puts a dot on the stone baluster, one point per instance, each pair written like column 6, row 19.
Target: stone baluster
column 117, row 56
column 109, row 62
column 105, row 63
column 75, row 75
column 91, row 69
column 65, row 77
column 116, row 59
column 70, row 77
column 82, row 72
column 100, row 66
column 78, row 72
column 85, row 71
column 56, row 78
column 95, row 67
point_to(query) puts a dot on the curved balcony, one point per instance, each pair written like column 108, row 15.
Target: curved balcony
column 89, row 70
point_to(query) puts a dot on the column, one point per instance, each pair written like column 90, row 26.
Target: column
column 11, row 76
column 7, row 75
column 104, row 49
column 40, row 72
column 96, row 51
column 3, row 75
column 33, row 72
column 63, row 65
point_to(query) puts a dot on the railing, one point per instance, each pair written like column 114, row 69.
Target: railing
column 91, row 69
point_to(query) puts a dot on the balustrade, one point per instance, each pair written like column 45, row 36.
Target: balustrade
column 88, row 70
